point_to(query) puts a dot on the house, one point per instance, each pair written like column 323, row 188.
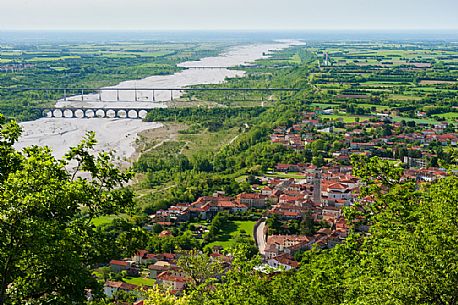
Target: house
column 289, row 167
column 279, row 244
column 208, row 206
column 294, row 200
column 252, row 200
column 174, row 280
column 331, row 212
column 159, row 267
column 118, row 266
column 141, row 257
column 284, row 261
column 267, row 191
column 111, row 287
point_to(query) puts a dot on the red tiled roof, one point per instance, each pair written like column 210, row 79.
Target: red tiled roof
column 252, row 196
column 165, row 223
column 226, row 204
column 337, row 186
column 119, row 263
column 287, row 259
column 165, row 276
column 121, row 285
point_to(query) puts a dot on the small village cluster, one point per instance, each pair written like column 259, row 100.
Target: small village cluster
column 407, row 142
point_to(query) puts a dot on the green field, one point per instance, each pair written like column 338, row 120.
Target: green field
column 285, row 175
column 449, row 116
column 346, row 118
column 42, row 59
column 230, row 232
column 140, row 281
column 104, row 220
column 421, row 121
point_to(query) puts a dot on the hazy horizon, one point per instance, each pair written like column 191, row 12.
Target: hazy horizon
column 242, row 36
column 235, row 15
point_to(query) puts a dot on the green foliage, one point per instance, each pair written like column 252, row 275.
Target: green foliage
column 409, row 257
column 200, row 267
column 48, row 241
column 157, row 297
column 216, row 226
column 171, row 244
column 211, row 118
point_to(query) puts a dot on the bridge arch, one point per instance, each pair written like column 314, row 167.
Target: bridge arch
column 79, row 113
column 100, row 113
column 132, row 113
column 111, row 113
column 89, row 113
column 68, row 113
column 58, row 113
column 122, row 113
column 142, row 114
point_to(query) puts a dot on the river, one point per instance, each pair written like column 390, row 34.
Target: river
column 119, row 135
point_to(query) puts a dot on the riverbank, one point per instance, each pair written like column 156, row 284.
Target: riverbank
column 59, row 134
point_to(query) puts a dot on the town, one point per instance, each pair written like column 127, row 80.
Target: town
column 295, row 207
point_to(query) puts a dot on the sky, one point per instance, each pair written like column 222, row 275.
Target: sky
column 228, row 14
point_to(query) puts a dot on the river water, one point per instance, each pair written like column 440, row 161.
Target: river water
column 119, row 135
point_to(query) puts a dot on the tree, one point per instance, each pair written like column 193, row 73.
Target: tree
column 130, row 241
column 46, row 208
column 318, row 160
column 274, row 224
column 157, row 228
column 410, row 255
column 157, row 297
column 200, row 267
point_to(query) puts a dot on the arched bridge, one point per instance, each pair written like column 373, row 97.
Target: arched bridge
column 129, row 113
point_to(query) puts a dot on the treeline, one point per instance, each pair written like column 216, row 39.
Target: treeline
column 211, row 118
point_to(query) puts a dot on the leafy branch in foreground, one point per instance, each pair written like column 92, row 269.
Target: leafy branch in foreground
column 48, row 242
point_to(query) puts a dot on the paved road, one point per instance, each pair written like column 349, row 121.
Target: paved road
column 260, row 237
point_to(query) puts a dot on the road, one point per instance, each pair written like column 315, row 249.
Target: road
column 261, row 237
